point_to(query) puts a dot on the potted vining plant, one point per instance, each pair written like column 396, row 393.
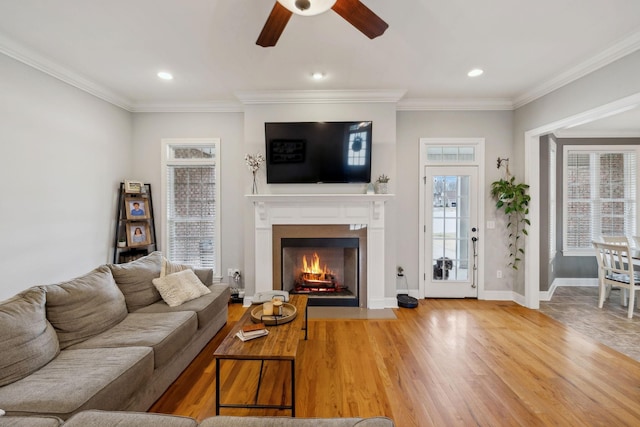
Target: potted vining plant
column 381, row 184
column 511, row 197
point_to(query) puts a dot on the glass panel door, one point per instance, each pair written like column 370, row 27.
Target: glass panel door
column 451, row 216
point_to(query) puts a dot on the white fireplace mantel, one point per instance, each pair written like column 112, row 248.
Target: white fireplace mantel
column 322, row 209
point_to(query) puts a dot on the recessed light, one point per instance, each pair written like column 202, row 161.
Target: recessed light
column 318, row 75
column 165, row 75
column 475, row 72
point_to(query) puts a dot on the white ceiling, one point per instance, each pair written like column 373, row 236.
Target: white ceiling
column 114, row 48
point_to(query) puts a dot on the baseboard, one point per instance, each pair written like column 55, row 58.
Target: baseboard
column 567, row 281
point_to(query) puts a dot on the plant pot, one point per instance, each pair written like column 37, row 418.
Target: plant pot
column 381, row 187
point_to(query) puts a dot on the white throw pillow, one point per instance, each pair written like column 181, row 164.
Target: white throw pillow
column 178, row 288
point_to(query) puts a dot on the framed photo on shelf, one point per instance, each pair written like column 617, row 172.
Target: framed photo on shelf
column 133, row 187
column 137, row 207
column 138, row 234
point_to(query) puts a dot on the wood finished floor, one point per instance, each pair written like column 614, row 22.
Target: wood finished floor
column 445, row 363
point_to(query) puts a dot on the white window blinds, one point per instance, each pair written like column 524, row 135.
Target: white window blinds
column 191, row 194
column 600, row 195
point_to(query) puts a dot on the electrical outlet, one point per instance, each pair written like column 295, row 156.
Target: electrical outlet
column 499, row 274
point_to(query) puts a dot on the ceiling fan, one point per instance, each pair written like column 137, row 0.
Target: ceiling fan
column 356, row 13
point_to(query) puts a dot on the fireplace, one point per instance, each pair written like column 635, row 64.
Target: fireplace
column 290, row 216
column 335, row 258
column 325, row 269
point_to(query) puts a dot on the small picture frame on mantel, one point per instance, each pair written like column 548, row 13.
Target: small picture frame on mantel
column 133, row 187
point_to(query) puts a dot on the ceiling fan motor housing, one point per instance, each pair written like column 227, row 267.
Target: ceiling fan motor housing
column 303, row 4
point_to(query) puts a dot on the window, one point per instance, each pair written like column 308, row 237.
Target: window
column 448, row 154
column 190, row 202
column 599, row 195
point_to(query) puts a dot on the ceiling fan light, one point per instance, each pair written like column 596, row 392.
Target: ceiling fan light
column 307, row 7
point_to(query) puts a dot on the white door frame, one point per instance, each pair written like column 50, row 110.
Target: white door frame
column 478, row 144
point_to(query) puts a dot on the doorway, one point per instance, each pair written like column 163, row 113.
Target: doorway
column 451, row 203
column 451, row 218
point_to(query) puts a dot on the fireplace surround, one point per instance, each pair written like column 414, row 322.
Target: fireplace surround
column 361, row 214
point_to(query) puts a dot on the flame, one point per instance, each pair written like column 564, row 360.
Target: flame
column 314, row 266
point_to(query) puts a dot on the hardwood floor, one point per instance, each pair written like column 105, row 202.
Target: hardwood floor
column 445, row 363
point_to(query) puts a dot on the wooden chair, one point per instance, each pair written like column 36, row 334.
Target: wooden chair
column 616, row 269
column 619, row 240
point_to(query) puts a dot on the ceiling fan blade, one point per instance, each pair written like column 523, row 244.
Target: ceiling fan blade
column 361, row 17
column 274, row 26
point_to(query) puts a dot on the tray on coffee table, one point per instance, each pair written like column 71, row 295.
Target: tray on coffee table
column 289, row 312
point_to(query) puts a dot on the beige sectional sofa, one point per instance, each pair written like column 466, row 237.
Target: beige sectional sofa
column 106, row 340
column 112, row 419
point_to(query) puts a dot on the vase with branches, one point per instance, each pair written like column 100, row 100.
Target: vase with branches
column 511, row 197
column 254, row 161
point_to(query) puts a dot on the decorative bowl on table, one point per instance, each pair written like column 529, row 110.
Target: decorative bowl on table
column 289, row 313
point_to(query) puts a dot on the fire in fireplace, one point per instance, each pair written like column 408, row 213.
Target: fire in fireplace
column 326, row 269
column 313, row 278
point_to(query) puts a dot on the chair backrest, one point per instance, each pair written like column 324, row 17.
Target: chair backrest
column 614, row 259
column 620, row 240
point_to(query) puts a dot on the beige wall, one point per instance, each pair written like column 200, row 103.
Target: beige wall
column 64, row 153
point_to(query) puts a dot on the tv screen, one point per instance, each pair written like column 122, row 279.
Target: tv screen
column 318, row 152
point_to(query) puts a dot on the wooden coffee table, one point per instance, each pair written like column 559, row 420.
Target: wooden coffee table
column 281, row 344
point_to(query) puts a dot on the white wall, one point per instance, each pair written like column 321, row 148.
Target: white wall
column 148, row 131
column 383, row 116
column 64, row 153
column 496, row 128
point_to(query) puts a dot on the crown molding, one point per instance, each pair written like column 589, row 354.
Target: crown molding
column 453, row 104
column 319, row 96
column 191, row 107
column 34, row 60
column 618, row 50
column 595, row 133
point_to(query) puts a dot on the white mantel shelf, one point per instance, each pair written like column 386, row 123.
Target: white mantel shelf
column 318, row 209
column 274, row 198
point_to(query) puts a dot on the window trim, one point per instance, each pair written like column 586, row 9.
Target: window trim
column 166, row 144
column 591, row 149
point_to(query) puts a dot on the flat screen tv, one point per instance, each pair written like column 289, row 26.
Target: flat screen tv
column 318, row 152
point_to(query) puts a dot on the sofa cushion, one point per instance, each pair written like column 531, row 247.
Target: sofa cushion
column 206, row 307
column 28, row 339
column 166, row 333
column 230, row 421
column 138, row 419
column 85, row 306
column 30, row 421
column 134, row 280
column 178, row 288
column 169, row 267
column 104, row 378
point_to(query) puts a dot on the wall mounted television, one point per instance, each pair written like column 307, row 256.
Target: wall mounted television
column 318, row 152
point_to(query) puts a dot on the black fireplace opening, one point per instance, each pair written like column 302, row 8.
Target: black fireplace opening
column 327, row 270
